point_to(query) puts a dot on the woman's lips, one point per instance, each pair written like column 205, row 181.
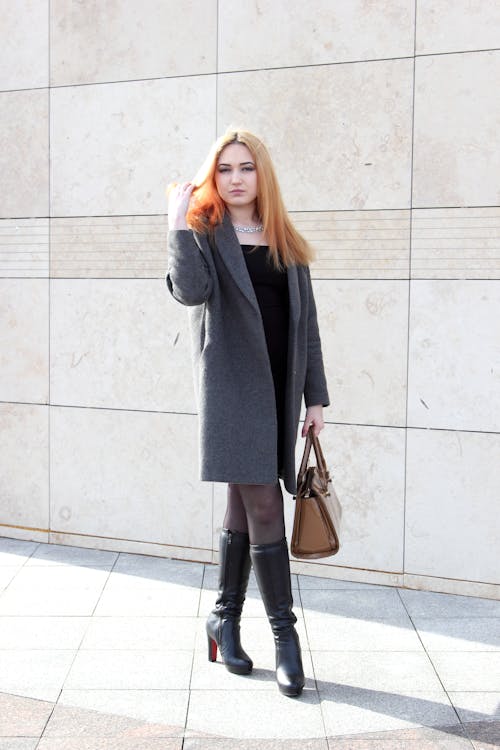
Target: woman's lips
column 236, row 192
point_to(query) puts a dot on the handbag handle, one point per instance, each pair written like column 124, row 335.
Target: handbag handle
column 312, row 441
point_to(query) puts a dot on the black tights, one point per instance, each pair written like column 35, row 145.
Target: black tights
column 256, row 509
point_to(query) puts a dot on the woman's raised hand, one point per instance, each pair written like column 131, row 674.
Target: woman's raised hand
column 179, row 195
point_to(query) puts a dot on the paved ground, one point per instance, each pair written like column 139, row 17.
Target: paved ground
column 107, row 650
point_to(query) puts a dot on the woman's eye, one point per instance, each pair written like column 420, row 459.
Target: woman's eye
column 248, row 169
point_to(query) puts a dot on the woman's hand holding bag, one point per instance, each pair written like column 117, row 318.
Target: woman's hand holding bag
column 317, row 508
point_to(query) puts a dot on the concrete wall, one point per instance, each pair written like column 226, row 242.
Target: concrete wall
column 383, row 121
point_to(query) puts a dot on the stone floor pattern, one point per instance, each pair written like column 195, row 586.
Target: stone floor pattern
column 108, row 650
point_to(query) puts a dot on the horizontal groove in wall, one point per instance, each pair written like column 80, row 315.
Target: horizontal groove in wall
column 456, row 243
column 103, row 247
column 24, row 247
column 357, row 244
column 447, row 244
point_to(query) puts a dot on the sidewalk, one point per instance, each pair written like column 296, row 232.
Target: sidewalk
column 104, row 650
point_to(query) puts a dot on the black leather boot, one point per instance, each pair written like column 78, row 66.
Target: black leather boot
column 223, row 623
column 272, row 570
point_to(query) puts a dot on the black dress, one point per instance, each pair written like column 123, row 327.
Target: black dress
column 271, row 290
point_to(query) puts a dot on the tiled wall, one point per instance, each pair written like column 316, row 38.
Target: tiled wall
column 383, row 121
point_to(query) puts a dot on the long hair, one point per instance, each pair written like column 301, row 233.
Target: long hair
column 206, row 209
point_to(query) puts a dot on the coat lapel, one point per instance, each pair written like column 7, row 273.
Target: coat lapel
column 294, row 295
column 230, row 251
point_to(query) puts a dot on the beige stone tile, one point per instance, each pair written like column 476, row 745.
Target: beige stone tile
column 354, row 119
column 370, row 606
column 126, row 142
column 47, row 602
column 130, row 670
column 357, row 244
column 466, row 670
column 119, row 713
column 452, row 505
column 456, row 158
column 32, row 673
column 120, row 344
column 367, row 469
column 24, row 175
column 454, row 355
column 135, row 570
column 477, row 706
column 332, row 632
column 347, row 577
column 108, row 247
column 24, row 53
column 455, row 243
column 451, row 586
column 363, row 674
column 42, row 632
column 128, row 475
column 364, row 712
column 210, row 743
column 459, row 633
column 109, row 743
column 24, row 248
column 15, row 552
column 430, row 604
column 254, row 714
column 176, row 601
column 154, row 549
column 6, row 576
column 309, row 34
column 485, row 736
column 24, row 339
column 21, row 716
column 444, row 26
column 441, row 737
column 122, row 41
column 364, row 333
column 52, row 555
column 24, row 468
column 166, row 633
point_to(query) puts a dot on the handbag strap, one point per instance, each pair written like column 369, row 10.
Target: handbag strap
column 312, row 441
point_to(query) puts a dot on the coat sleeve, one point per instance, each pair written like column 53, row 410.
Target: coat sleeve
column 315, row 388
column 188, row 276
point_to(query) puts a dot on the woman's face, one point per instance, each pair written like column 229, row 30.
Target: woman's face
column 236, row 175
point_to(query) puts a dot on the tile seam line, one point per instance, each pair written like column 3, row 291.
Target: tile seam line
column 430, row 661
column 88, row 624
column 49, row 260
column 163, row 214
column 216, row 72
column 23, row 275
column 194, row 414
column 408, row 284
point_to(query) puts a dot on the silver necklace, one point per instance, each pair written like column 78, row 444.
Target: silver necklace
column 258, row 228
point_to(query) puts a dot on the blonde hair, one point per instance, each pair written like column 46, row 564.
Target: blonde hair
column 206, row 209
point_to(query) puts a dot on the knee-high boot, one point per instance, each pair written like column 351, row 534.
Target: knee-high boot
column 223, row 623
column 272, row 570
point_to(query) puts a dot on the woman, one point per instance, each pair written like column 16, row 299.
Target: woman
column 236, row 261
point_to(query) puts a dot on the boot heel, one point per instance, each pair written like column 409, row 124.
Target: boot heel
column 212, row 649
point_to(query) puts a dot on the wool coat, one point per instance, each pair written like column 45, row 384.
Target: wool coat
column 234, row 387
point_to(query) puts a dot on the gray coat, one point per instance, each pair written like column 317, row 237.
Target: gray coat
column 233, row 381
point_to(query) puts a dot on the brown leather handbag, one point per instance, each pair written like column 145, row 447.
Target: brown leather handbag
column 318, row 511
